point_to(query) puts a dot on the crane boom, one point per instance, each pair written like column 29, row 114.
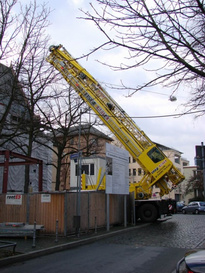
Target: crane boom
column 159, row 170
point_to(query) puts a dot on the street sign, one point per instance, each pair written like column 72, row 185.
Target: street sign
column 75, row 156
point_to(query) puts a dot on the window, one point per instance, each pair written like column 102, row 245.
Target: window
column 129, row 172
column 134, row 172
column 155, row 155
column 134, row 160
column 86, row 169
column 176, row 158
column 91, row 169
column 139, row 171
column 194, row 204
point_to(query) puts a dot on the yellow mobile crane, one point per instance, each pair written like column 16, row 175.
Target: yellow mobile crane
column 159, row 170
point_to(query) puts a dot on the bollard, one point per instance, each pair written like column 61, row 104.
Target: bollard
column 56, row 240
column 34, row 234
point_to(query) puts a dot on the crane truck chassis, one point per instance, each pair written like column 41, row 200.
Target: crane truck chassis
column 159, row 170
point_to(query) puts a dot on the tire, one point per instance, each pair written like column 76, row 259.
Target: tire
column 196, row 211
column 184, row 211
column 148, row 213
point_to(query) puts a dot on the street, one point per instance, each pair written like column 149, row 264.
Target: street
column 155, row 248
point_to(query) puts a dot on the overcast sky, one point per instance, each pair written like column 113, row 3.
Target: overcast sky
column 80, row 36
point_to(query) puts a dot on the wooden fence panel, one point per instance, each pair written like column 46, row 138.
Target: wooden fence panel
column 46, row 213
column 63, row 207
column 97, row 210
column 71, row 211
column 84, row 211
column 116, row 209
column 12, row 213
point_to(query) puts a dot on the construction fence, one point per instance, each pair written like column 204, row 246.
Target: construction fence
column 47, row 209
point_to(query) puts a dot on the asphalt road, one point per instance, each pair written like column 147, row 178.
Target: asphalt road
column 101, row 258
column 155, row 248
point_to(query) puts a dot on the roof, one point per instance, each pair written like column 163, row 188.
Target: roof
column 163, row 147
column 85, row 130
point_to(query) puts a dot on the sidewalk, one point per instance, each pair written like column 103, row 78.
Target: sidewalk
column 30, row 248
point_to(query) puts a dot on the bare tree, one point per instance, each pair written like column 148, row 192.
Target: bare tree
column 35, row 73
column 23, row 34
column 65, row 119
column 8, row 35
column 169, row 31
column 60, row 112
column 9, row 28
column 195, row 184
column 25, row 83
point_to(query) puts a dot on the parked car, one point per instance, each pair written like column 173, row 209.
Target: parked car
column 180, row 206
column 193, row 262
column 194, row 207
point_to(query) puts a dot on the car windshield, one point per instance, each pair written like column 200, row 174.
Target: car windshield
column 202, row 203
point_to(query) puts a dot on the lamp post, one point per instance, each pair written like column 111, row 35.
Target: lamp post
column 77, row 217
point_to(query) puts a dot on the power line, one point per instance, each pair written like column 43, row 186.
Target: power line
column 173, row 115
column 123, row 88
column 164, row 116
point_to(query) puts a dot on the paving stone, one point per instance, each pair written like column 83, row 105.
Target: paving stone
column 182, row 231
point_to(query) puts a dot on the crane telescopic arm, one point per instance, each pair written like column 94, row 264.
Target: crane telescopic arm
column 159, row 170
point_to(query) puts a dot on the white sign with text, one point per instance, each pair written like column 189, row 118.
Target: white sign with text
column 14, row 199
column 117, row 170
column 45, row 198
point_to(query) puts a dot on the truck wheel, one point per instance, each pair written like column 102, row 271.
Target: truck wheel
column 148, row 213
